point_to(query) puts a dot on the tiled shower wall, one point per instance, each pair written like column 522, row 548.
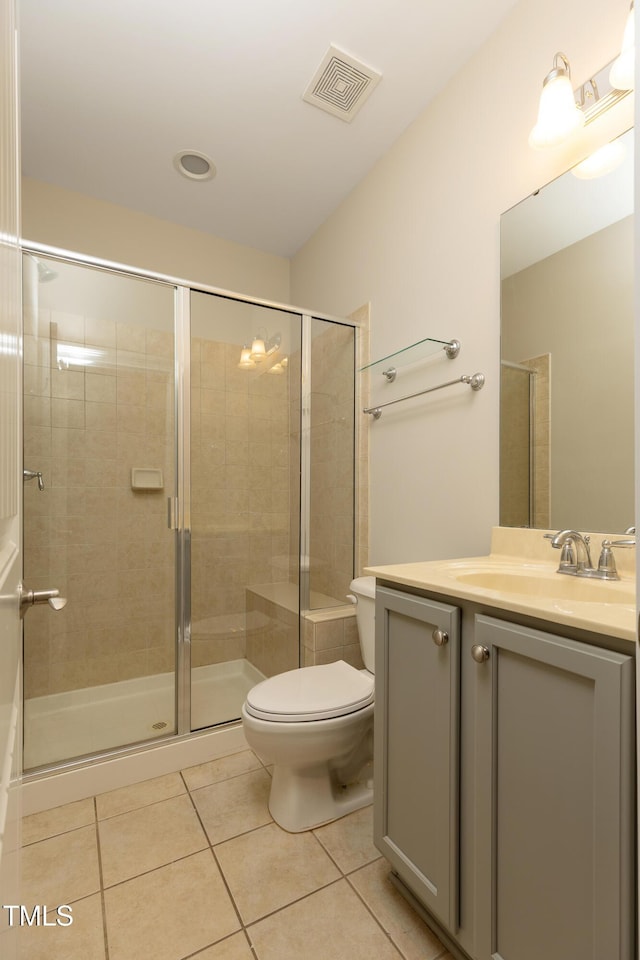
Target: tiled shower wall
column 525, row 444
column 105, row 546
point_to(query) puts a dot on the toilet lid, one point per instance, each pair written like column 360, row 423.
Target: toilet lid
column 311, row 693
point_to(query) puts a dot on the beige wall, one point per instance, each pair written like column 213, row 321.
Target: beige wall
column 578, row 305
column 419, row 239
column 82, row 224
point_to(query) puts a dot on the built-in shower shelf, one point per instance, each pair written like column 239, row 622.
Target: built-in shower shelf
column 146, row 478
column 428, row 347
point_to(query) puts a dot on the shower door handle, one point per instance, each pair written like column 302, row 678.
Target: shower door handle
column 34, row 475
column 29, row 598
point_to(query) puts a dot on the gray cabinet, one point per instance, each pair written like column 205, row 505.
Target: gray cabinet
column 416, row 745
column 554, row 766
column 504, row 780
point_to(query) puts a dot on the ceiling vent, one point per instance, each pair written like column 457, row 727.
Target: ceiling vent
column 341, row 84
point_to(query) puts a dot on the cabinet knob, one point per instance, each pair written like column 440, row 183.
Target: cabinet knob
column 479, row 653
column 440, row 637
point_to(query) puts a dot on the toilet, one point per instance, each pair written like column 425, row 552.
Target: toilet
column 315, row 725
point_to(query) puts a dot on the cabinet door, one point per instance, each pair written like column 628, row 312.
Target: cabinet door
column 416, row 746
column 554, row 767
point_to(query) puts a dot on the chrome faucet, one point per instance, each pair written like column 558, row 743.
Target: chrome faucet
column 576, row 561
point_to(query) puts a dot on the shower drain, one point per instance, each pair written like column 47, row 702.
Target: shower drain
column 160, row 725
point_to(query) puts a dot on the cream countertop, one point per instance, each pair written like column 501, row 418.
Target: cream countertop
column 520, row 575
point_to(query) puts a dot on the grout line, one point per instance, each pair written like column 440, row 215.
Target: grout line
column 160, row 866
column 377, row 919
column 217, row 863
column 234, row 776
column 62, row 833
column 328, row 853
column 272, row 913
column 152, row 803
column 352, row 870
column 214, row 943
column 100, row 873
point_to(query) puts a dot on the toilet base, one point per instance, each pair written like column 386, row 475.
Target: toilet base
column 304, row 799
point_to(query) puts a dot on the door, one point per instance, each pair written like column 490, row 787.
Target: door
column 416, row 746
column 554, row 781
column 241, row 500
column 99, row 427
column 10, row 463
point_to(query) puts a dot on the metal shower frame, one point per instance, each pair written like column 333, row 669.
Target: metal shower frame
column 180, row 504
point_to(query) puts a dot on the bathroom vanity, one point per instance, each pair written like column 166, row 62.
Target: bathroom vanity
column 504, row 767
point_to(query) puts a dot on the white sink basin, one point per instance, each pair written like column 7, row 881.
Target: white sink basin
column 557, row 586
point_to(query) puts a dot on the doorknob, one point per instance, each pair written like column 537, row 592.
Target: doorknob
column 29, row 598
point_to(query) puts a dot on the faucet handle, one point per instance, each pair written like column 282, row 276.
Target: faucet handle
column 606, row 564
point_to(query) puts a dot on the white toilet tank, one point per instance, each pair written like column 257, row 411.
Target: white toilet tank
column 363, row 594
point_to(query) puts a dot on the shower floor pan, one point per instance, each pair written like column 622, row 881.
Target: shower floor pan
column 61, row 726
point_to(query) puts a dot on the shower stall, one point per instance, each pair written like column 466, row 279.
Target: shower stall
column 190, row 488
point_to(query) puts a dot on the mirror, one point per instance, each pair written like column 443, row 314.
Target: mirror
column 567, row 355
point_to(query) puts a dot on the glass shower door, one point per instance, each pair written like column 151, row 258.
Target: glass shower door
column 99, row 426
column 332, row 464
column 244, row 500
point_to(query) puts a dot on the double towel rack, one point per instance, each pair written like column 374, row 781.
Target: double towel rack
column 475, row 381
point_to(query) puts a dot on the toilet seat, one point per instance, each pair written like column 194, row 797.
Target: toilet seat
column 311, row 693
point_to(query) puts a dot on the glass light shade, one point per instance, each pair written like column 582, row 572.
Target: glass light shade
column 258, row 350
column 246, row 363
column 276, row 368
column 621, row 75
column 603, row 161
column 558, row 114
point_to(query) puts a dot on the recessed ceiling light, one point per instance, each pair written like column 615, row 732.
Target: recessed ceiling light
column 194, row 165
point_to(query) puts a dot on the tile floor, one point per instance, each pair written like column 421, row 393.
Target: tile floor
column 192, row 865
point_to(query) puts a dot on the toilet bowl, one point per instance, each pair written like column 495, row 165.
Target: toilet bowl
column 315, row 725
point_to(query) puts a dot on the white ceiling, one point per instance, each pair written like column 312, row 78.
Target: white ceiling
column 113, row 89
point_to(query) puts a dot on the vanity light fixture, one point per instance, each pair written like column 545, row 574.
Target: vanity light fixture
column 558, row 113
column 262, row 346
column 258, row 350
column 621, row 75
column 564, row 111
column 246, row 363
